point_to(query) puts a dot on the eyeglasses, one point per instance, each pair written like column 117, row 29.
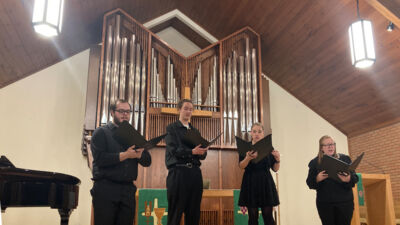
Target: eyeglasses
column 123, row 111
column 329, row 145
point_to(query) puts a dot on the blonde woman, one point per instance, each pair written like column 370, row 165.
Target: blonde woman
column 258, row 188
column 334, row 199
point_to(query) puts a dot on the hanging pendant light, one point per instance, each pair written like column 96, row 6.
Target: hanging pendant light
column 47, row 17
column 361, row 42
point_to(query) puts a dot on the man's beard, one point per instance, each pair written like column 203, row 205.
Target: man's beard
column 118, row 121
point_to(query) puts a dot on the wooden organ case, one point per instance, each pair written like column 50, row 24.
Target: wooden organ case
column 223, row 81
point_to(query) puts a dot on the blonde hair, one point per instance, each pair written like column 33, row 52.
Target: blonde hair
column 320, row 152
column 257, row 124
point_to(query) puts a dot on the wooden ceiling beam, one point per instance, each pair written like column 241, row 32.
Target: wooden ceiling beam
column 388, row 8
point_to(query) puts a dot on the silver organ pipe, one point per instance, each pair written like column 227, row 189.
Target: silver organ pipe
column 122, row 73
column 143, row 93
column 194, row 95
column 169, row 81
column 153, row 88
column 107, row 77
column 242, row 97
column 197, row 89
column 116, row 57
column 171, row 91
column 131, row 86
column 254, row 84
column 174, row 90
column 211, row 99
column 229, row 99
column 235, row 114
column 214, row 96
column 225, row 118
column 125, row 73
column 249, row 115
column 199, row 100
column 137, row 88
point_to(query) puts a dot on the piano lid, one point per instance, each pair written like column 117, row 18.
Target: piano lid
column 4, row 162
column 10, row 173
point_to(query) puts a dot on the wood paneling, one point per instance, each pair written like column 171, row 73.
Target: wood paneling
column 155, row 175
column 304, row 48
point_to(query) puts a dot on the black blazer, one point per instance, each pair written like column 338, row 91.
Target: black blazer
column 329, row 190
column 177, row 152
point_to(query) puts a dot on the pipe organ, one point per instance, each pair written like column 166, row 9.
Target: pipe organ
column 223, row 80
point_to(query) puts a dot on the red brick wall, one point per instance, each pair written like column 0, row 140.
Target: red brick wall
column 382, row 154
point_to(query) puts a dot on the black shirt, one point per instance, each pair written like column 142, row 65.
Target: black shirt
column 106, row 163
column 329, row 190
column 177, row 152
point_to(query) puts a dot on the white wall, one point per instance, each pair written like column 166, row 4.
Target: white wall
column 296, row 131
column 178, row 41
column 41, row 121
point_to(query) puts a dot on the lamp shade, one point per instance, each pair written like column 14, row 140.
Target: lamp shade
column 361, row 44
column 47, row 17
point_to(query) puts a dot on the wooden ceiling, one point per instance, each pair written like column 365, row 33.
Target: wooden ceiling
column 304, row 47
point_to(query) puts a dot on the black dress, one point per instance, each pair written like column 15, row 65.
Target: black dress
column 258, row 187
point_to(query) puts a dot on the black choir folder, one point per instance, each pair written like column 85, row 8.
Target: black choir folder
column 263, row 147
column 193, row 138
column 127, row 136
column 333, row 166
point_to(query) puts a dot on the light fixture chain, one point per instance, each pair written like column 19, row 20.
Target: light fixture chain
column 358, row 11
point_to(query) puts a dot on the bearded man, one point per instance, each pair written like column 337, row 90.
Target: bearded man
column 114, row 171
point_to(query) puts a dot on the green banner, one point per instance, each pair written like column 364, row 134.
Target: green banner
column 240, row 214
column 153, row 206
column 360, row 190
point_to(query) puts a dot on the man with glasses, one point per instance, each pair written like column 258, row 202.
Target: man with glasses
column 114, row 171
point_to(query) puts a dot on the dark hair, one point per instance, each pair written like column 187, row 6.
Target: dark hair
column 182, row 101
column 113, row 106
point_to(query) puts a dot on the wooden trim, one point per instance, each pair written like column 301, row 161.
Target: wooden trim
column 92, row 87
column 174, row 111
column 203, row 50
column 221, row 217
column 378, row 193
column 100, row 89
column 387, row 9
column 355, row 220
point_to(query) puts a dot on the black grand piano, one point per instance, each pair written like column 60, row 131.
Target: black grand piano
column 30, row 188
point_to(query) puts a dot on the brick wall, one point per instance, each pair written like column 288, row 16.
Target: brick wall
column 382, row 154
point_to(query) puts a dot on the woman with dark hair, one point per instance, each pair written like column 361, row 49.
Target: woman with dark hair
column 258, row 188
column 335, row 203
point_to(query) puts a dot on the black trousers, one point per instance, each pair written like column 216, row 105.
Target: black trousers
column 113, row 203
column 336, row 213
column 184, row 193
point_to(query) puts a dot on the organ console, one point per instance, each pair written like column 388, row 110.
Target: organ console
column 32, row 188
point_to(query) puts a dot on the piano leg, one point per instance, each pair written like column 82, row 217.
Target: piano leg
column 64, row 213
